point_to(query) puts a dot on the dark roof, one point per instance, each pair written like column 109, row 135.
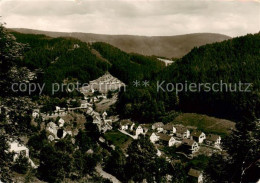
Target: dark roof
column 126, row 122
column 158, row 125
column 180, row 129
column 168, row 126
column 164, row 137
column 212, row 137
column 145, row 126
column 196, row 133
column 188, row 142
column 194, row 173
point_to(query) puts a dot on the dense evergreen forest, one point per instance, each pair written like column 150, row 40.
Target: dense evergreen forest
column 59, row 59
column 232, row 61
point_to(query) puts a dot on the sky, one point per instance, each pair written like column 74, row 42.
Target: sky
column 134, row 17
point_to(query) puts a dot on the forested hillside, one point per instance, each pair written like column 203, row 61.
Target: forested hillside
column 129, row 67
column 232, row 61
column 67, row 58
column 59, row 59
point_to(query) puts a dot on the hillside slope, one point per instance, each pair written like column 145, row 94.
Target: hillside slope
column 165, row 46
column 230, row 62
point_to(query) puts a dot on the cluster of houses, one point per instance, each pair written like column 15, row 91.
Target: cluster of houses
column 103, row 84
column 56, row 131
column 180, row 135
column 131, row 129
column 100, row 119
column 170, row 135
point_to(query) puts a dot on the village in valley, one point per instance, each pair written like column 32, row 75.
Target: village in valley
column 185, row 141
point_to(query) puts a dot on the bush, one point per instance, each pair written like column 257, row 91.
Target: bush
column 21, row 164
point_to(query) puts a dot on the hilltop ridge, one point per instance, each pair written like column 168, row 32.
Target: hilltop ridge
column 164, row 46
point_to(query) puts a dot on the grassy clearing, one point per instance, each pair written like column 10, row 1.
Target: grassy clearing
column 117, row 138
column 205, row 123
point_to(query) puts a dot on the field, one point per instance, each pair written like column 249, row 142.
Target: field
column 118, row 139
column 205, row 123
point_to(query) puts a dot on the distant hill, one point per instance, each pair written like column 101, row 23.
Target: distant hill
column 164, row 46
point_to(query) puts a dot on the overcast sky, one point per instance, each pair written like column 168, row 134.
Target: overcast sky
column 135, row 17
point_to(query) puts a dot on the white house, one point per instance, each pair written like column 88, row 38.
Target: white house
column 172, row 141
column 57, row 109
column 168, row 128
column 104, row 115
column 126, row 124
column 139, row 130
column 166, row 139
column 51, row 138
column 52, row 128
column 36, row 113
column 154, row 138
column 196, row 174
column 190, row 145
column 61, row 122
column 20, row 149
column 145, row 127
column 158, row 126
column 181, row 131
column 158, row 153
column 213, row 140
column 75, row 46
column 198, row 136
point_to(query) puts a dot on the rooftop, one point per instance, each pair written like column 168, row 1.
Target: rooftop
column 164, row 137
column 126, row 122
column 158, row 125
column 194, row 173
column 196, row 133
column 168, row 126
column 212, row 137
column 188, row 142
column 180, row 129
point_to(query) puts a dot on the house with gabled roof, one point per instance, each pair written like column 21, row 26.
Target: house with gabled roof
column 196, row 174
column 61, row 122
column 190, row 146
column 36, row 113
column 181, row 131
column 168, row 128
column 213, row 140
column 126, row 124
column 138, row 130
column 158, row 126
column 154, row 138
column 166, row 139
column 20, row 149
column 145, row 127
column 198, row 136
